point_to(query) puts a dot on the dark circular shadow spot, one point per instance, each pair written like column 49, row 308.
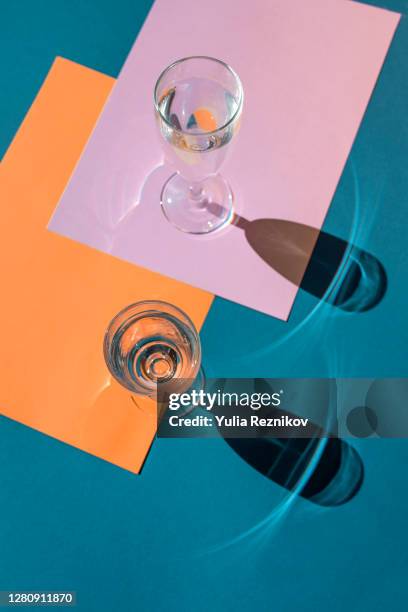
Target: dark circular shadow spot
column 362, row 422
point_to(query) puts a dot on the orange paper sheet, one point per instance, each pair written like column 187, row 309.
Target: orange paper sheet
column 58, row 295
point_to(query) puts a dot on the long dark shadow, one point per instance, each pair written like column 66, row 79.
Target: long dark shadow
column 311, row 259
column 336, row 478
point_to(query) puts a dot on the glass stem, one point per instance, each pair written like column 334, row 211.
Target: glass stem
column 197, row 193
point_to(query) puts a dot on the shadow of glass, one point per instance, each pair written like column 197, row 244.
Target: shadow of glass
column 341, row 274
column 335, row 479
column 321, row 264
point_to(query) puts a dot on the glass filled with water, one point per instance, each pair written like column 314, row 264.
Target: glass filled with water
column 198, row 105
column 150, row 343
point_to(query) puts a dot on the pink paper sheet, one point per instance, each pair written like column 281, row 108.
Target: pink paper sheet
column 308, row 69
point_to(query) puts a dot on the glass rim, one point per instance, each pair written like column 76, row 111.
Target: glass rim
column 200, row 57
column 148, row 303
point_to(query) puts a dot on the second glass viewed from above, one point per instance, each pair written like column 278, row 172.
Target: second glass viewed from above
column 151, row 342
column 198, row 104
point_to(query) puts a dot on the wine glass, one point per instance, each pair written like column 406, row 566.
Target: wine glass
column 152, row 343
column 198, row 105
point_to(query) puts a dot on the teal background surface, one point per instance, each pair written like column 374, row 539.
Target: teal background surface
column 200, row 529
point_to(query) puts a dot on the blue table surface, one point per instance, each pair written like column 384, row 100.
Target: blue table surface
column 200, row 529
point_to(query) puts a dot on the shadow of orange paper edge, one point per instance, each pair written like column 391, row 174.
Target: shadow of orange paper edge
column 58, row 295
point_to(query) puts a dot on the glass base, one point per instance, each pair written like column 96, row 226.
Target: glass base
column 197, row 210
